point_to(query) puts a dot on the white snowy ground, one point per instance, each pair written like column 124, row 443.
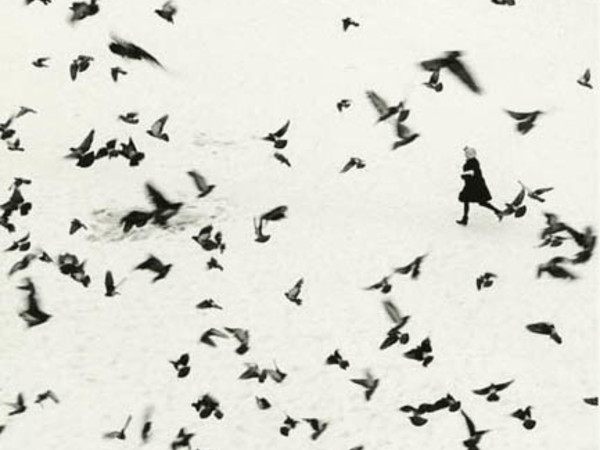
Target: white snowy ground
column 236, row 70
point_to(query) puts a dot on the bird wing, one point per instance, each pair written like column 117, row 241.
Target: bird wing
column 349, row 165
column 156, row 197
column 502, row 386
column 362, row 382
column 199, row 180
column 85, row 146
column 73, row 70
column 469, row 422
column 276, row 213
column 109, row 281
column 426, row 345
column 541, row 191
column 432, row 65
column 483, row 391
column 518, row 115
column 152, row 263
column 279, row 133
column 519, row 198
column 157, row 127
column 460, row 70
column 392, row 311
column 380, row 104
column 435, row 77
column 540, row 328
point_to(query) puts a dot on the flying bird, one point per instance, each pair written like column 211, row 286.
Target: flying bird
column 282, row 159
column 276, row 214
column 201, row 184
column 348, row 22
column 474, row 435
column 156, row 130
column 18, row 407
column 451, row 61
column 21, row 245
column 318, row 426
column 546, row 329
column 524, row 415
column 129, row 50
column 207, row 336
column 33, row 315
column 353, row 163
column 336, row 359
column 182, row 440
column 293, row 295
column 115, row 72
column 413, row 268
column 516, row 207
column 555, row 269
column 167, row 11
column 491, row 392
column 41, row 62
column 129, row 151
column 109, row 285
column 209, row 303
column 79, row 65
column 163, row 208
column 384, row 111
column 130, row 118
column 434, row 81
column 155, row 265
column 277, row 137
column 536, row 194
column 76, row 225
column 382, row 285
column 262, row 403
column 46, row 395
column 504, row 2
column 81, row 10
column 486, row 280
column 405, row 135
column 369, row 383
column 82, row 152
column 119, row 434
column 421, row 353
column 343, row 104
column 242, row 336
column 584, row 80
column 182, row 366
column 525, row 120
column 288, row 424
column 205, row 239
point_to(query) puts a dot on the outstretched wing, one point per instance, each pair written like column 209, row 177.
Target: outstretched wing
column 157, row 127
column 518, row 115
column 469, row 422
column 460, row 70
column 279, row 133
column 392, row 311
column 156, row 197
column 199, row 180
column 540, row 328
column 380, row 104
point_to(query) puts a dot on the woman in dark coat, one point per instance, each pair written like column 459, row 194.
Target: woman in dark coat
column 475, row 189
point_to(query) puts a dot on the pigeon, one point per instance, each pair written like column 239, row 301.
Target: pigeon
column 336, row 359
column 383, row 109
column 205, row 240
column 167, row 11
column 212, row 263
column 353, row 163
column 348, row 22
column 394, row 335
column 243, row 338
column 85, row 158
column 153, row 264
column 414, row 268
column 421, row 353
column 79, row 65
column 382, row 285
column 22, row 264
column 182, row 440
column 21, row 245
column 275, row 374
column 474, row 435
column 318, row 426
column 115, row 72
column 252, row 371
column 129, row 50
column 486, row 280
column 433, row 82
column 207, row 406
column 207, row 336
column 293, row 295
column 516, row 207
column 525, row 120
column 262, row 403
column 15, row 146
column 23, row 110
column 33, row 314
column 209, row 303
column 491, row 392
column 416, row 417
column 18, row 407
column 504, row 2
column 273, row 215
column 593, row 401
column 282, row 159
column 343, row 104
column 546, row 329
column 524, row 415
column 156, row 130
column 136, row 219
column 536, row 194
column 277, row 137
column 41, row 62
column 119, row 434
column 109, row 149
column 555, row 270
column 164, row 209
column 369, row 383
column 181, row 365
column 584, row 80
column 46, row 395
column 203, row 187
column 81, row 10
column 451, row 61
column 130, row 117
column 76, row 225
column 288, row 424
column 109, row 285
column 405, row 135
column 130, row 151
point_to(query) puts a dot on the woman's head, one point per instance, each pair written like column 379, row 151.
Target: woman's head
column 470, row 152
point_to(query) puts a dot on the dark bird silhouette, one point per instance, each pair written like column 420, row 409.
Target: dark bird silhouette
column 80, row 65
column 109, row 285
column 200, row 182
column 336, row 359
column 163, row 209
column 109, row 149
column 205, row 239
column 154, row 264
column 136, row 219
column 262, row 403
column 593, row 401
column 516, row 207
column 18, row 407
column 212, row 263
column 15, row 146
column 486, row 280
column 81, row 10
column 242, row 336
column 384, row 111
column 451, row 61
column 252, row 371
column 182, row 440
column 46, row 395
column 277, row 137
column 76, row 225
column 474, row 435
column 433, row 82
column 209, row 303
column 491, row 392
column 504, row 2
column 115, row 72
column 130, row 152
column 24, row 110
column 41, row 62
column 525, row 120
column 382, row 285
column 146, row 432
column 207, row 406
column 369, row 383
column 395, row 335
column 33, row 315
column 555, row 269
column 275, row 374
column 288, row 424
column 167, row 11
column 21, row 245
column 129, row 50
column 157, row 129
column 546, row 329
column 282, row 159
column 354, row 162
column 119, row 434
column 584, row 80
column 318, row 426
column 181, row 365
column 414, row 268
column 536, row 194
column 276, row 214
column 82, row 153
column 524, row 415
column 405, row 135
column 293, row 295
column 343, row 104
column 207, row 336
column 130, row 118
column 22, row 264
column 416, row 417
column 348, row 22
column 421, row 353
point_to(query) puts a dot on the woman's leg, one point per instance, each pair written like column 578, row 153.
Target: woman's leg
column 465, row 217
column 491, row 207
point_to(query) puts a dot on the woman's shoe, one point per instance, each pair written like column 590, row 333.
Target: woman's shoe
column 499, row 215
column 462, row 221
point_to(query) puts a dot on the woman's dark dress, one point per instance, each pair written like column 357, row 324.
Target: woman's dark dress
column 475, row 190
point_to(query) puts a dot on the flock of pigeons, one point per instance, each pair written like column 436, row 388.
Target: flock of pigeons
column 556, row 234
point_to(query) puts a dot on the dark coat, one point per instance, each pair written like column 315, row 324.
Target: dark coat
column 475, row 189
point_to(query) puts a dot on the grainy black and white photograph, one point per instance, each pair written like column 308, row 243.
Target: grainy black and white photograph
column 328, row 225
